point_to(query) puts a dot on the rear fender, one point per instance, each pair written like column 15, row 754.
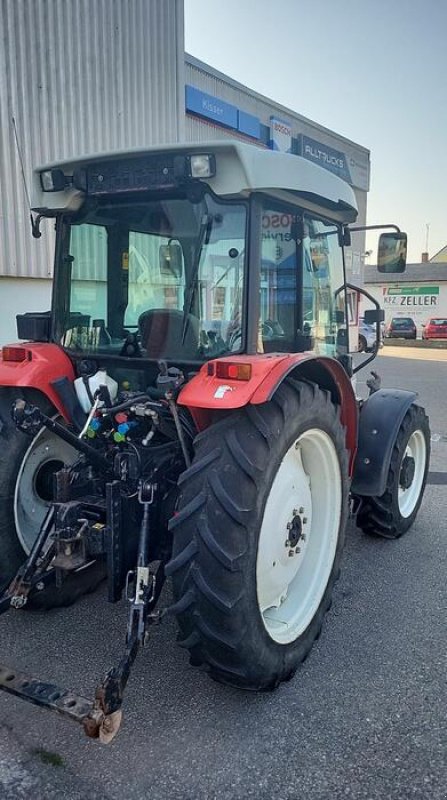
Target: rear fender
column 44, row 364
column 205, row 394
column 380, row 419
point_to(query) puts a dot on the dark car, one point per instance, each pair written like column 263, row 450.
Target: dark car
column 401, row 328
column 435, row 328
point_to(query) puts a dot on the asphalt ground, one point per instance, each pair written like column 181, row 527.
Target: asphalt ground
column 364, row 717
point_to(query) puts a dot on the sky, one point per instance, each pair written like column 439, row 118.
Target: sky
column 374, row 71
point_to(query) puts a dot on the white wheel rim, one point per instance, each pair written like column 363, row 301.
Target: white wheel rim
column 306, row 494
column 408, row 496
column 31, row 500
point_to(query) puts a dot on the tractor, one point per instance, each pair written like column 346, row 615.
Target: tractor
column 187, row 410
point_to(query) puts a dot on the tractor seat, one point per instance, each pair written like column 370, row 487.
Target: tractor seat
column 161, row 334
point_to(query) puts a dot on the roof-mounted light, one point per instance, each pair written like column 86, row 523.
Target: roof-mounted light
column 53, row 180
column 202, row 165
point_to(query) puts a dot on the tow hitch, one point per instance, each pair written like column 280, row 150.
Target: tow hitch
column 101, row 717
column 77, row 531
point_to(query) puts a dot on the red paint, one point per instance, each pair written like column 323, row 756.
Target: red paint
column 44, row 364
column 200, row 391
column 268, row 372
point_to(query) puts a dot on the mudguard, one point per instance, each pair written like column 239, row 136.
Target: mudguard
column 44, row 365
column 205, row 394
column 380, row 419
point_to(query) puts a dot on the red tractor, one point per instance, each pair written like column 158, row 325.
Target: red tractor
column 187, row 410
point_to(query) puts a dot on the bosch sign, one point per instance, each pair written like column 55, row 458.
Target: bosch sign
column 280, row 135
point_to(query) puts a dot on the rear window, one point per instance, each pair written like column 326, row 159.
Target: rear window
column 402, row 322
column 438, row 322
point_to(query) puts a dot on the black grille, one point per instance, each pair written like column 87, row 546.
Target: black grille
column 131, row 175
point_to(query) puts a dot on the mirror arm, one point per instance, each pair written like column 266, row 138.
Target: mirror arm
column 377, row 305
column 374, row 228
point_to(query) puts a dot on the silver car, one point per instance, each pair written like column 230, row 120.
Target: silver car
column 367, row 336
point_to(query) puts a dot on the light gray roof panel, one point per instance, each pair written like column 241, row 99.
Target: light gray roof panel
column 420, row 273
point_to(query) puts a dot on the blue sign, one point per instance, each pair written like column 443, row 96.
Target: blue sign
column 249, row 124
column 332, row 160
column 205, row 105
column 222, row 113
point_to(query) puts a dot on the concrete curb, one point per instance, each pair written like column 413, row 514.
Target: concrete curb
column 431, row 344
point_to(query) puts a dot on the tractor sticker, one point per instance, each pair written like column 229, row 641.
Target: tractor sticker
column 221, row 391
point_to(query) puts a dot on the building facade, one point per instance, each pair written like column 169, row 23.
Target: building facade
column 121, row 79
column 419, row 293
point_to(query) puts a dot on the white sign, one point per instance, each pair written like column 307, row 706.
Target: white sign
column 280, row 135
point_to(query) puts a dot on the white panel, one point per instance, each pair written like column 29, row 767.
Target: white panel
column 80, row 76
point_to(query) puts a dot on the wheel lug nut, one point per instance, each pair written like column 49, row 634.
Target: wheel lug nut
column 295, row 512
column 304, row 520
column 287, row 543
column 289, row 526
column 301, row 509
column 291, row 553
column 297, row 549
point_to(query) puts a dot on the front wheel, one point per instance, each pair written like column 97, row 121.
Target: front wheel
column 393, row 513
column 258, row 536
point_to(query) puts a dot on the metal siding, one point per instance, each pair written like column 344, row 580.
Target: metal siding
column 80, row 76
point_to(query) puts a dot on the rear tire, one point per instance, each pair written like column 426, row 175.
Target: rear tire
column 250, row 590
column 393, row 513
column 25, row 489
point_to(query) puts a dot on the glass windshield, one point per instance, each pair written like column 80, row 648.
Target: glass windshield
column 167, row 275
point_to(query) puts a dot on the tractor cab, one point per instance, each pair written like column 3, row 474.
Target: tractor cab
column 191, row 254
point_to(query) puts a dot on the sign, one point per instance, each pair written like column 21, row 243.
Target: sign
column 222, row 113
column 280, row 135
column 205, row 105
column 411, row 297
column 333, row 160
column 248, row 124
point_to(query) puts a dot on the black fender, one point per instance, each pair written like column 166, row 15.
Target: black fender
column 380, row 419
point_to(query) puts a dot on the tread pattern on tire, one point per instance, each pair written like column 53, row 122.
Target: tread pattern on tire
column 215, row 531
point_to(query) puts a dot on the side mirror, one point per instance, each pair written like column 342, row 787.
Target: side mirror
column 373, row 315
column 171, row 260
column 392, row 254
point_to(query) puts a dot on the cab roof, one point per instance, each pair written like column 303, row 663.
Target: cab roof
column 241, row 169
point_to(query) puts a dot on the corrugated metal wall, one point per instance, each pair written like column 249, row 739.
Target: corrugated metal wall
column 80, row 76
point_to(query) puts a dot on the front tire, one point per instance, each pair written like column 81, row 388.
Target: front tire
column 258, row 536
column 393, row 513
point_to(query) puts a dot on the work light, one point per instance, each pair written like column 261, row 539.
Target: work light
column 202, row 165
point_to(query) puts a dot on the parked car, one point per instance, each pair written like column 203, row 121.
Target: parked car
column 401, row 328
column 367, row 336
column 435, row 328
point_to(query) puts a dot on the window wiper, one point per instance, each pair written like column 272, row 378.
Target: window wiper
column 202, row 239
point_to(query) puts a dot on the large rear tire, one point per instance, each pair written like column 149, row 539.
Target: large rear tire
column 26, row 470
column 258, row 536
column 393, row 513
